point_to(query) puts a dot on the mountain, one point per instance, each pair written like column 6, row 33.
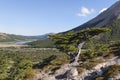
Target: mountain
column 4, row 37
column 44, row 36
column 103, row 19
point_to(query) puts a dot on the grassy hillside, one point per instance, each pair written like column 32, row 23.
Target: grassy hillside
column 11, row 37
column 114, row 35
column 115, row 27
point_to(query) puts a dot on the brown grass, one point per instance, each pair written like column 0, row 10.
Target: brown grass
column 11, row 45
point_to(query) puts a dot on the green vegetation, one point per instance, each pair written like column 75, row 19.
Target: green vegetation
column 45, row 43
column 114, row 35
column 20, row 70
column 95, row 50
column 5, row 66
column 52, row 63
column 112, row 71
column 115, row 27
column 115, row 48
column 32, row 54
column 73, row 42
column 21, row 63
column 11, row 37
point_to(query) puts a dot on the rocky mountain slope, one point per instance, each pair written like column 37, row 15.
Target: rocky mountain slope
column 103, row 19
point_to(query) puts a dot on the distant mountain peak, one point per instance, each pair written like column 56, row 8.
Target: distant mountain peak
column 4, row 37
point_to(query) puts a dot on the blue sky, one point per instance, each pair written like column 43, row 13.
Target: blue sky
column 37, row 17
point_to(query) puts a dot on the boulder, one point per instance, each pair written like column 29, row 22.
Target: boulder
column 111, row 79
column 99, row 72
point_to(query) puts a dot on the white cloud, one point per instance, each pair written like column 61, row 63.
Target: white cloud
column 85, row 11
column 102, row 10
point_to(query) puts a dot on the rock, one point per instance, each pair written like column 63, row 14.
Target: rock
column 49, row 78
column 118, row 61
column 72, row 73
column 111, row 79
column 99, row 72
column 117, row 77
column 97, row 67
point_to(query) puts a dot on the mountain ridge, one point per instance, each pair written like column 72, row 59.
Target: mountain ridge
column 4, row 37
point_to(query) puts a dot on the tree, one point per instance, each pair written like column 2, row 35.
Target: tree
column 72, row 42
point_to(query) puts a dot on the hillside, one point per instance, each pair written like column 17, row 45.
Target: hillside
column 45, row 43
column 44, row 36
column 11, row 37
column 114, row 35
column 115, row 31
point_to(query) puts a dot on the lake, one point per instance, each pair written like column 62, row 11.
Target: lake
column 22, row 42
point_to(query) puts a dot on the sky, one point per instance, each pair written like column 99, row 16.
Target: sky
column 38, row 17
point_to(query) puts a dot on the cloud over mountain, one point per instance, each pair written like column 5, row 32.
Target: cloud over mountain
column 85, row 11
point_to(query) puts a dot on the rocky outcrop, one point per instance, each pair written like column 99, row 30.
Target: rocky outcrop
column 69, row 72
column 72, row 73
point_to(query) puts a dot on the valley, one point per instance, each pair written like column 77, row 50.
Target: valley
column 90, row 51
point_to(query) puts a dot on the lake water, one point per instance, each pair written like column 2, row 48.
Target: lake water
column 22, row 42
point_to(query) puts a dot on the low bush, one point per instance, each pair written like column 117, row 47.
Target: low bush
column 88, row 65
column 99, row 78
column 80, row 69
column 112, row 71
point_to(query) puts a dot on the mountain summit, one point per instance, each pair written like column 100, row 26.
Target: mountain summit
column 104, row 18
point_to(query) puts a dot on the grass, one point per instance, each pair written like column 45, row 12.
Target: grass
column 32, row 54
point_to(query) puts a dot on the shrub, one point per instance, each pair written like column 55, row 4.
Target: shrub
column 102, row 50
column 80, row 69
column 20, row 70
column 88, row 65
column 29, row 74
column 99, row 78
column 112, row 71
